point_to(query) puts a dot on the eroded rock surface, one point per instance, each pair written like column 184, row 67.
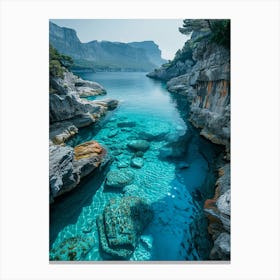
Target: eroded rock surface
column 121, row 224
column 67, row 165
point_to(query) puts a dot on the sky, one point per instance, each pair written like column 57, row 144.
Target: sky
column 164, row 32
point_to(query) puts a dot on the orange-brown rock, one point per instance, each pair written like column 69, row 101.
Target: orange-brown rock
column 88, row 149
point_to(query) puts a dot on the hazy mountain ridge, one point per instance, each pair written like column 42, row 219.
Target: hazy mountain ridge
column 105, row 55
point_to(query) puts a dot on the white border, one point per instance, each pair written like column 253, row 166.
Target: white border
column 255, row 138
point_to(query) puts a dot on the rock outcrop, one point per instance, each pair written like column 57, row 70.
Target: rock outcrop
column 201, row 71
column 218, row 212
column 67, row 165
column 68, row 111
column 121, row 224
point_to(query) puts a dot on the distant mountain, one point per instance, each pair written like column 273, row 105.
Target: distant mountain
column 105, row 55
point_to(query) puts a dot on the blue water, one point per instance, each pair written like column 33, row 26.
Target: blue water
column 179, row 229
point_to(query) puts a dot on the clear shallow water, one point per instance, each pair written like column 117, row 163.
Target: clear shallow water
column 145, row 107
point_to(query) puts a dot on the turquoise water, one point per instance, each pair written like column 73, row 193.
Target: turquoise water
column 175, row 191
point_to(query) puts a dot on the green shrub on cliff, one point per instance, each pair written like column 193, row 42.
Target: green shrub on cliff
column 220, row 32
column 57, row 61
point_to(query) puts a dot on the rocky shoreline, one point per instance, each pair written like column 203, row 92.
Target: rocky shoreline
column 201, row 72
column 68, row 113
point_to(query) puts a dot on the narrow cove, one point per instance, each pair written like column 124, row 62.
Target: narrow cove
column 175, row 175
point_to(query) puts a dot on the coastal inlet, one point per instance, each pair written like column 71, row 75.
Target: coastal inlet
column 147, row 201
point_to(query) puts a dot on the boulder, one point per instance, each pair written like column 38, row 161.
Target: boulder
column 119, row 178
column 154, row 130
column 121, row 225
column 137, row 162
column 139, row 145
column 89, row 156
column 221, row 249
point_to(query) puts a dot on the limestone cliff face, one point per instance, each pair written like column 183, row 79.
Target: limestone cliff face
column 205, row 81
column 201, row 72
column 106, row 55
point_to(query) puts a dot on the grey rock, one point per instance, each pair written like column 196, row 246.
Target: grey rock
column 223, row 203
column 62, row 176
column 88, row 88
column 60, row 132
column 139, row 145
column 121, row 225
column 83, row 120
column 224, row 181
column 221, row 249
column 119, row 178
column 66, row 169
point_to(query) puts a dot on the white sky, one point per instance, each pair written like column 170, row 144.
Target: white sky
column 164, row 32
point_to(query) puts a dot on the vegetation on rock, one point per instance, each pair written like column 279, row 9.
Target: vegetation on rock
column 57, row 61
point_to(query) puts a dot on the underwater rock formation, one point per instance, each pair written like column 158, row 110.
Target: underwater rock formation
column 139, row 145
column 119, row 178
column 121, row 224
column 72, row 249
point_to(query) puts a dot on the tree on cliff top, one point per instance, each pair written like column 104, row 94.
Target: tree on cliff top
column 219, row 28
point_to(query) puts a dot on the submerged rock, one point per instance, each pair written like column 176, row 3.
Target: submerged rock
column 121, row 225
column 113, row 133
column 139, row 145
column 127, row 124
column 137, row 162
column 154, row 130
column 72, row 249
column 119, row 178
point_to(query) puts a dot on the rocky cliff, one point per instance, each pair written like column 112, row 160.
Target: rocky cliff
column 68, row 113
column 105, row 55
column 201, row 72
